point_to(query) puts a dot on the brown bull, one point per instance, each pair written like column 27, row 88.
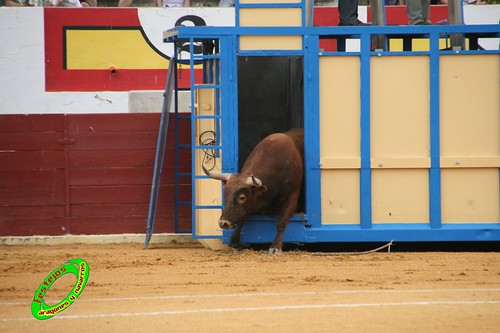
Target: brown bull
column 269, row 184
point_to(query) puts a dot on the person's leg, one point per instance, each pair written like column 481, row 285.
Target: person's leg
column 348, row 11
column 425, row 11
column 414, row 11
column 124, row 3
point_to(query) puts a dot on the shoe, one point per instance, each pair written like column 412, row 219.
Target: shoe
column 357, row 23
column 423, row 23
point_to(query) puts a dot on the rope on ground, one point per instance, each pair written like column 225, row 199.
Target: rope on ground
column 322, row 254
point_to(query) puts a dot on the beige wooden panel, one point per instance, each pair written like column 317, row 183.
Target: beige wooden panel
column 249, row 43
column 400, row 196
column 400, row 106
column 340, row 197
column 470, row 195
column 341, row 163
column 400, row 162
column 470, row 162
column 340, row 139
column 340, row 111
column 208, row 191
column 270, row 17
column 470, row 105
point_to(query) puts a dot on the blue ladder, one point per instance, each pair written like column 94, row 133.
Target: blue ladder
column 160, row 151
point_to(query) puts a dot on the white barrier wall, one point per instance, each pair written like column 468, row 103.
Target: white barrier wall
column 22, row 64
column 23, row 67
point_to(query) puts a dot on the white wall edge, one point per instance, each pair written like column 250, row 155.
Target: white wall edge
column 163, row 239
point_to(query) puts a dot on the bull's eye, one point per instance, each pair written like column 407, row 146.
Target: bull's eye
column 242, row 198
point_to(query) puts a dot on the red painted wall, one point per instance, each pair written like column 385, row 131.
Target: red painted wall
column 86, row 174
column 58, row 78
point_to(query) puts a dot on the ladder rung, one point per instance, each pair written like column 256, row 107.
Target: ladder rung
column 205, row 86
column 207, row 147
column 206, row 56
column 207, row 116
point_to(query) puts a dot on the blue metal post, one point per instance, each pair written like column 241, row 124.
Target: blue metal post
column 311, row 127
column 365, row 178
column 435, row 170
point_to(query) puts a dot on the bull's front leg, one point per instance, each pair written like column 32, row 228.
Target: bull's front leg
column 234, row 241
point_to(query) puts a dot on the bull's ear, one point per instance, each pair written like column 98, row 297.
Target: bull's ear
column 258, row 191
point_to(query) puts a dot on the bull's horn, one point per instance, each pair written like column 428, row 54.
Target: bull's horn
column 219, row 176
column 252, row 181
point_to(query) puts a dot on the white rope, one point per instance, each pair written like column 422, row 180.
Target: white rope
column 323, row 254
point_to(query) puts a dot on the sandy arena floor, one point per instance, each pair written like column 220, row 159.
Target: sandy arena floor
column 169, row 289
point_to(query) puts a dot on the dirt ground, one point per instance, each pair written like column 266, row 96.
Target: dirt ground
column 178, row 289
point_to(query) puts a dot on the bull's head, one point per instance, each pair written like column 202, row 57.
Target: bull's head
column 240, row 196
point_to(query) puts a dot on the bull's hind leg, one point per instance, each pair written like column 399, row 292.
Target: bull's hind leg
column 276, row 246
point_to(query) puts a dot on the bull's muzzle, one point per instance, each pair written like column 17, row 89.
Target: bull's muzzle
column 224, row 224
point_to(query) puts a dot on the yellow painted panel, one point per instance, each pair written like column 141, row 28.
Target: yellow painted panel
column 401, row 162
column 339, row 108
column 100, row 49
column 400, row 196
column 270, row 17
column 208, row 191
column 418, row 44
column 400, row 106
column 470, row 105
column 470, row 195
column 271, row 42
column 340, row 197
column 470, row 162
column 340, row 163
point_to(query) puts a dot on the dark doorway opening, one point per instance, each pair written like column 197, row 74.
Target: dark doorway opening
column 270, row 100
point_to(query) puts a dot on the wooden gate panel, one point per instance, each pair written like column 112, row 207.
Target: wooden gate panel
column 86, row 174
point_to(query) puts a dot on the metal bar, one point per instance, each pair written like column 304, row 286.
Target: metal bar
column 309, row 13
column 203, row 86
column 160, row 152
column 218, row 32
column 365, row 178
column 176, row 145
column 378, row 18
column 456, row 17
column 194, row 118
column 312, row 171
column 435, row 170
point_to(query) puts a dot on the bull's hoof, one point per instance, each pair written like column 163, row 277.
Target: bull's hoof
column 273, row 251
column 237, row 247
